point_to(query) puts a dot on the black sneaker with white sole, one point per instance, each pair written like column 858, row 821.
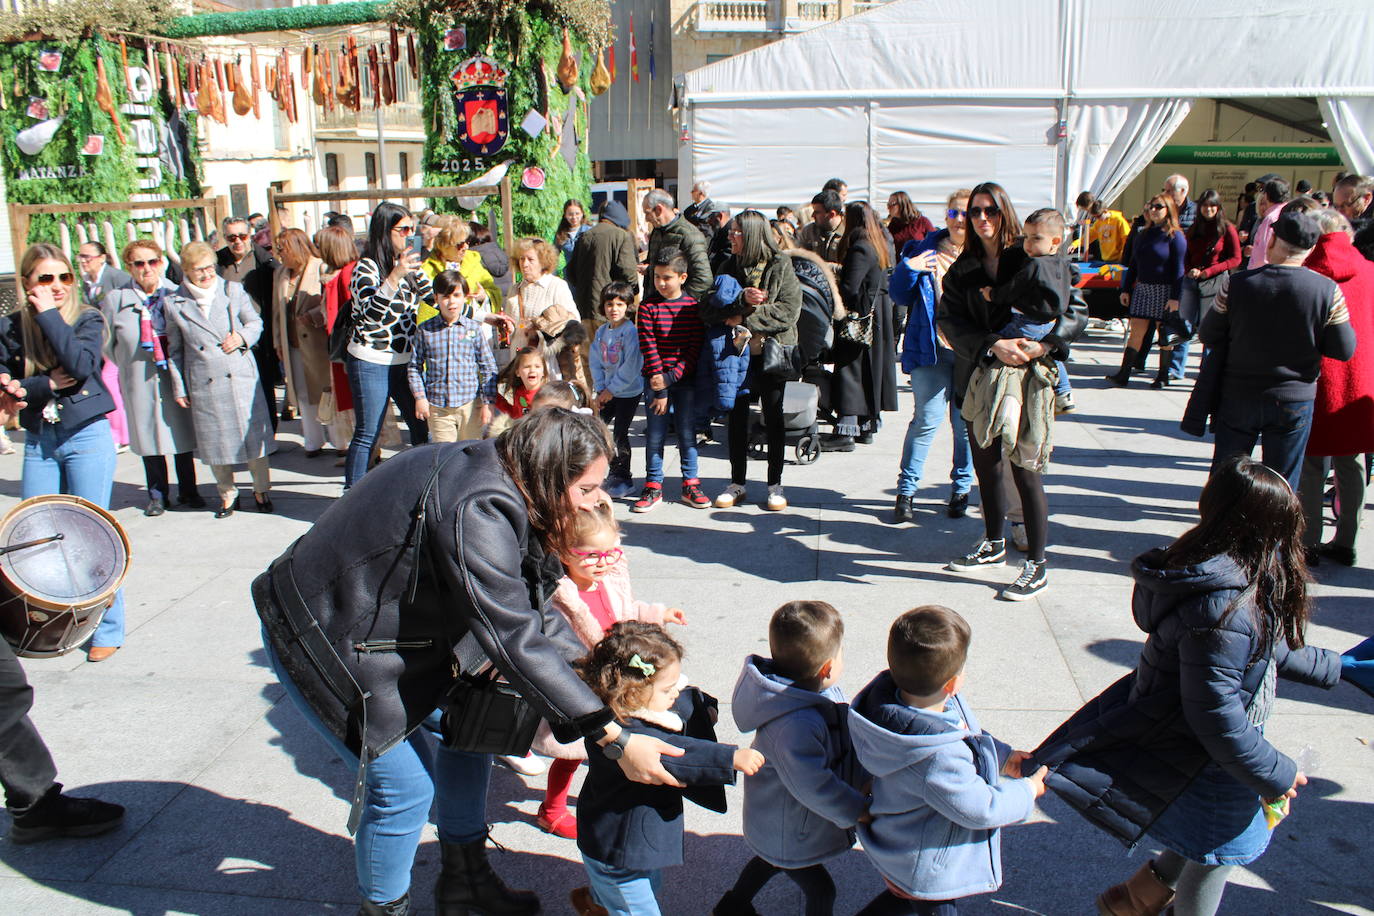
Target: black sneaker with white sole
column 1032, row 581
column 985, row 555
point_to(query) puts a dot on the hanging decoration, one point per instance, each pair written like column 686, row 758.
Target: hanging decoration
column 480, row 94
column 601, row 77
column 567, row 65
column 533, row 178
column 50, row 60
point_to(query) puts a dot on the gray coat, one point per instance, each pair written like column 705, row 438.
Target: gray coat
column 231, row 420
column 157, row 425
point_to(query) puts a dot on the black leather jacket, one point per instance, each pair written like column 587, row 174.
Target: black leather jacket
column 388, row 623
column 970, row 323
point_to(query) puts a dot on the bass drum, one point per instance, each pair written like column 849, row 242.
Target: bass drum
column 62, row 559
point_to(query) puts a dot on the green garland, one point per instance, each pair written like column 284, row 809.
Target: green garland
column 68, row 20
column 534, row 213
column 109, row 177
column 276, row 20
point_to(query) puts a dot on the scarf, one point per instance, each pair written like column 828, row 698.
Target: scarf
column 152, row 326
column 203, row 297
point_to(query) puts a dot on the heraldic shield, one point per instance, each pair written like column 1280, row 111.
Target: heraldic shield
column 481, row 104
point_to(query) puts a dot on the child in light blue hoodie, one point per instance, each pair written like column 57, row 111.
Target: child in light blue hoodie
column 939, row 799
column 617, row 375
column 801, row 807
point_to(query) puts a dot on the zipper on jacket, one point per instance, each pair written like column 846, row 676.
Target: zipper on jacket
column 391, row 645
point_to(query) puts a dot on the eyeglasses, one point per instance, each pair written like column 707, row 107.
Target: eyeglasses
column 83, row 258
column 236, row 236
column 151, row 262
column 49, row 279
column 598, row 557
column 203, row 269
column 1156, row 206
column 406, row 229
column 955, row 214
column 990, row 212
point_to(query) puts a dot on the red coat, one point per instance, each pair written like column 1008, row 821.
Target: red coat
column 1343, row 418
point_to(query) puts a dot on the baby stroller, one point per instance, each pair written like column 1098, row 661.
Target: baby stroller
column 815, row 336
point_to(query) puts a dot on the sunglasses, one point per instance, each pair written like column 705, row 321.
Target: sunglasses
column 955, row 214
column 83, row 258
column 406, row 229
column 236, row 237
column 49, row 279
column 991, row 212
column 1156, row 206
column 151, row 262
column 597, row 557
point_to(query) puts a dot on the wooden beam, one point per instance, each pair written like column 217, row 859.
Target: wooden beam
column 185, row 204
column 376, row 193
column 507, row 220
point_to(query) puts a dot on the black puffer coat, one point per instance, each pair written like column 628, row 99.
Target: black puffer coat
column 480, row 569
column 1125, row 756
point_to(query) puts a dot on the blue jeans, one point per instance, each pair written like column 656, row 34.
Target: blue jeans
column 402, row 785
column 624, row 891
column 1189, row 306
column 77, row 463
column 932, row 387
column 682, row 408
column 373, row 386
column 1281, row 427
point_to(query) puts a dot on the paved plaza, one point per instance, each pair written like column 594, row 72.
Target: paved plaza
column 236, row 807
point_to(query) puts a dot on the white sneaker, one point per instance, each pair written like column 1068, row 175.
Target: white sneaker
column 732, row 496
column 776, row 502
column 1018, row 537
column 528, row 765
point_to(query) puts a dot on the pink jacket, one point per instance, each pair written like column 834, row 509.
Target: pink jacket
column 623, row 607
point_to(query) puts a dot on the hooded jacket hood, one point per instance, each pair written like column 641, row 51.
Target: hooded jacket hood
column 1162, row 588
column 615, row 211
column 889, row 735
column 1335, row 256
column 762, row 695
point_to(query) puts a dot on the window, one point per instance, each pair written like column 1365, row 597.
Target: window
column 405, row 170
column 331, row 171
column 370, row 173
column 713, row 58
column 238, row 199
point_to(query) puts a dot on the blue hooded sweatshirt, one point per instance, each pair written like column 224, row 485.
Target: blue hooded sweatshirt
column 916, row 289
column 938, row 800
column 800, row 808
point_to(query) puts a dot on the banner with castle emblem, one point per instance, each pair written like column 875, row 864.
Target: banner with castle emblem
column 481, row 105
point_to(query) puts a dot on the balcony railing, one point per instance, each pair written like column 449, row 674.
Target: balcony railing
column 401, row 116
column 768, row 15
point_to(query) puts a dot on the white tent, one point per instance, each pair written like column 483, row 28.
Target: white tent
column 1048, row 97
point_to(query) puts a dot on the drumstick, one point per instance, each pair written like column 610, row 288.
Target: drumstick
column 47, row 540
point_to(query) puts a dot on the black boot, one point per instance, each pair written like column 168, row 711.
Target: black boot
column 1162, row 376
column 467, row 885
column 399, row 907
column 1123, row 375
column 58, row 815
column 901, row 511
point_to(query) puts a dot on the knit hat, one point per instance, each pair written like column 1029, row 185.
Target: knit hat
column 1298, row 228
column 614, row 211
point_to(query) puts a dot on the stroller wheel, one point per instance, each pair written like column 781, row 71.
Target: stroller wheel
column 808, row 449
column 758, row 446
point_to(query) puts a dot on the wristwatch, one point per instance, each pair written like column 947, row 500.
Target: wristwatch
column 616, row 749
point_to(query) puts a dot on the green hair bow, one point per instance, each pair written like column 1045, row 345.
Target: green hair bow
column 642, row 666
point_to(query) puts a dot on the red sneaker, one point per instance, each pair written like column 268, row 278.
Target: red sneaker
column 692, row 495
column 650, row 497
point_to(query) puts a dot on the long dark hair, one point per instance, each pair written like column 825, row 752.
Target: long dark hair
column 544, row 452
column 1011, row 225
column 904, row 212
column 1209, row 230
column 757, row 237
column 564, row 230
column 379, row 247
column 860, row 222
column 1250, row 513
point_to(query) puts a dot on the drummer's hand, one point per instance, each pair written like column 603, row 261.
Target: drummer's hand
column 642, row 761
column 60, row 379
column 183, row 402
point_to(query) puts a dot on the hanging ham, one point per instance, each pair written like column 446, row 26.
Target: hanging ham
column 253, row 65
column 104, row 98
column 243, row 100
column 566, row 72
column 411, row 57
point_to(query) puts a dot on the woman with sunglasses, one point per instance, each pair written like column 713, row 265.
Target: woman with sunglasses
column 211, row 327
column 1153, row 283
column 158, row 425
column 971, row 323
column 388, row 287
column 57, row 354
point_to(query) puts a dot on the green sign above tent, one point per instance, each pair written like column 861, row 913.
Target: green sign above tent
column 1212, row 154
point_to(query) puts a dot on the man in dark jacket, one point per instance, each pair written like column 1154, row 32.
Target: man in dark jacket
column 1278, row 321
column 241, row 261
column 671, row 230
column 1354, row 197
column 702, row 206
column 603, row 254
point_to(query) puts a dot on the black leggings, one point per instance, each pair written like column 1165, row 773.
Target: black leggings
column 618, row 414
column 814, row 881
column 987, row 464
column 770, row 399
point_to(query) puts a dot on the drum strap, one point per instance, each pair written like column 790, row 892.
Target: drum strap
column 306, row 632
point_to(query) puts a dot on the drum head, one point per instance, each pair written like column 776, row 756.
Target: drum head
column 83, row 569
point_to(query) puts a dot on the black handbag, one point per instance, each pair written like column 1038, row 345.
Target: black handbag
column 857, row 329
column 780, row 362
column 484, row 714
column 1175, row 330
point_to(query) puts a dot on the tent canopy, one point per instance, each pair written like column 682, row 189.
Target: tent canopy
column 1046, row 96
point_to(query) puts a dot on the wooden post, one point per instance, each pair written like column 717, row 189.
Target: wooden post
column 19, row 238
column 272, row 220
column 507, row 220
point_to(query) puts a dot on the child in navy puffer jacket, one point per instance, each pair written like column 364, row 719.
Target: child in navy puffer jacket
column 800, row 809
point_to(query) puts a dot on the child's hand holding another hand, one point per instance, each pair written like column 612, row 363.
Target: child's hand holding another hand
column 1012, row 767
column 675, row 615
column 748, row 761
column 1037, row 780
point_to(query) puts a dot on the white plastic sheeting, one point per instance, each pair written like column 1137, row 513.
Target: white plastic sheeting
column 928, row 95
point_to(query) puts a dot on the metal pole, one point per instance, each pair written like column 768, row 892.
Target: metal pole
column 381, row 149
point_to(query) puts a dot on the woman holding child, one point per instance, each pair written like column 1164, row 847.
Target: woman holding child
column 972, row 325
column 369, row 655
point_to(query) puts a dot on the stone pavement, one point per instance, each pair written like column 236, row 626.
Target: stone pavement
column 236, row 807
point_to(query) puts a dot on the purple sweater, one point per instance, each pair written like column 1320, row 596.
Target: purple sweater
column 1157, row 258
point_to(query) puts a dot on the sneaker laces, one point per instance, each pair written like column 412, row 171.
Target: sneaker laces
column 1028, row 573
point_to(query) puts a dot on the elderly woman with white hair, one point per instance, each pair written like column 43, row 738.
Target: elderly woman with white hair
column 211, row 326
column 702, row 207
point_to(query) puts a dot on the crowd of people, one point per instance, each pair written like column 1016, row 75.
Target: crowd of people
column 509, row 548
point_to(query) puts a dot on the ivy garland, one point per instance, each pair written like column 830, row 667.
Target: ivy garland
column 70, row 92
column 447, row 163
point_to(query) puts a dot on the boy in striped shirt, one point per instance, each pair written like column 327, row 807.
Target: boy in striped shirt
column 670, row 338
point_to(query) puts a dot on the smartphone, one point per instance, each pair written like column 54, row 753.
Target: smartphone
column 415, row 244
